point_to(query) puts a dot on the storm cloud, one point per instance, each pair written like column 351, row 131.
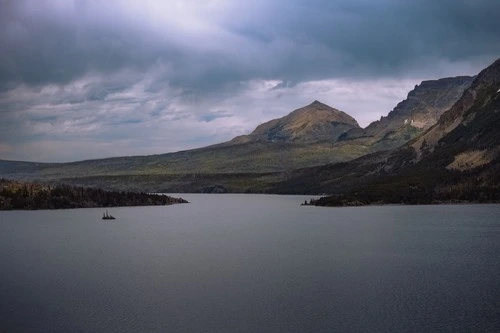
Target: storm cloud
column 139, row 77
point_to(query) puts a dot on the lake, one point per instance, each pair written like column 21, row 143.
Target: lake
column 251, row 263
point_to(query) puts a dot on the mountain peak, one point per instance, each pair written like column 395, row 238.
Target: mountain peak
column 314, row 122
column 316, row 103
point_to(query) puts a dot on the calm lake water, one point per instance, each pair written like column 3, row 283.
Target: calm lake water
column 251, row 263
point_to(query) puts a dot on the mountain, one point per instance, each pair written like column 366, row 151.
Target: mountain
column 473, row 114
column 424, row 105
column 312, row 123
column 314, row 135
column 456, row 160
column 420, row 110
column 305, row 137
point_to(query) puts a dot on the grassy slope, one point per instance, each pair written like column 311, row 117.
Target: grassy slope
column 250, row 157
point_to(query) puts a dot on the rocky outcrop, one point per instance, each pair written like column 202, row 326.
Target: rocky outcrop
column 481, row 93
column 419, row 111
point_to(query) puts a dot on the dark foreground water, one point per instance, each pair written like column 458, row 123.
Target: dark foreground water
column 251, row 263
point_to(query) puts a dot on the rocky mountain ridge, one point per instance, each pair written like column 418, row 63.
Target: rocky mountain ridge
column 456, row 160
column 425, row 103
column 482, row 91
column 419, row 111
column 310, row 136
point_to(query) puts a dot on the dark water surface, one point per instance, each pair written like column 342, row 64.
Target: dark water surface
column 251, row 263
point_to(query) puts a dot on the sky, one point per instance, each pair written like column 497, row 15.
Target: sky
column 88, row 79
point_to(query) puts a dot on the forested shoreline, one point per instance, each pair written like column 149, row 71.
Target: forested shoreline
column 15, row 195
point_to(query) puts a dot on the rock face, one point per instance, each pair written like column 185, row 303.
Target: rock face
column 314, row 122
column 473, row 113
column 419, row 111
column 456, row 160
column 424, row 104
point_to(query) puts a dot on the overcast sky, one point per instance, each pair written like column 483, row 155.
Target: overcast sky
column 89, row 79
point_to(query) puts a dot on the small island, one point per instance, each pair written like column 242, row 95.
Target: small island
column 16, row 195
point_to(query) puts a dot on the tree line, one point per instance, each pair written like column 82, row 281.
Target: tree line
column 20, row 195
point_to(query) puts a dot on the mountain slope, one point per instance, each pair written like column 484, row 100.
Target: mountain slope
column 456, row 160
column 305, row 137
column 423, row 105
column 310, row 136
column 314, row 122
column 411, row 117
column 482, row 93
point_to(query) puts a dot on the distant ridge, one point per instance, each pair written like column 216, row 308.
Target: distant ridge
column 311, row 136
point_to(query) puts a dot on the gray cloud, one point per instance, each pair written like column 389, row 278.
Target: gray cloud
column 288, row 40
column 211, row 116
column 120, row 71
